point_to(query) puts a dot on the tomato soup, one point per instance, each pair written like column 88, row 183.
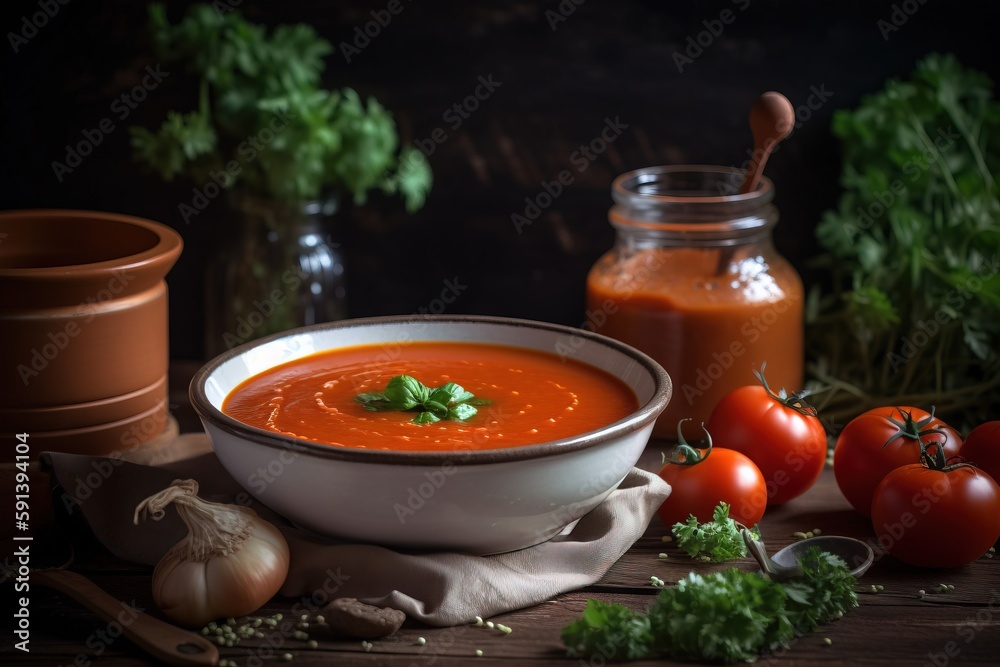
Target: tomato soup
column 534, row 397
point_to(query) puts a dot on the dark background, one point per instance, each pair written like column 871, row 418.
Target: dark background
column 607, row 59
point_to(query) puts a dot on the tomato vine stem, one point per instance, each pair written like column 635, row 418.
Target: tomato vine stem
column 915, row 430
column 796, row 400
column 692, row 455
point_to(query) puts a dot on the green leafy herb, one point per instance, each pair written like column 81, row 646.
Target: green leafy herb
column 262, row 107
column 823, row 593
column 402, row 393
column 610, row 630
column 912, row 315
column 718, row 540
column 727, row 616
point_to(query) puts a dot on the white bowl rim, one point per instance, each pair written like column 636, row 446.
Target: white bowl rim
column 643, row 415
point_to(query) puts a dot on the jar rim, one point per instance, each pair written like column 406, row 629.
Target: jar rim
column 627, row 188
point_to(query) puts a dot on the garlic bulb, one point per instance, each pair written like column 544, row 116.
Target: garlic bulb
column 230, row 563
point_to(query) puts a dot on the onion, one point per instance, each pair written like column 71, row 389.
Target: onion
column 230, row 564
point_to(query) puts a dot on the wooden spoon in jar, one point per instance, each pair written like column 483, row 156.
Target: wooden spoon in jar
column 771, row 120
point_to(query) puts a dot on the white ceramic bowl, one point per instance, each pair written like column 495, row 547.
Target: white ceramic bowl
column 484, row 501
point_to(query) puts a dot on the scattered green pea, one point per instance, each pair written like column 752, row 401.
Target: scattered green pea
column 313, row 644
column 421, row 641
column 479, row 653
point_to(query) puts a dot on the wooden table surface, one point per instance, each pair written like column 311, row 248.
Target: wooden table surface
column 896, row 626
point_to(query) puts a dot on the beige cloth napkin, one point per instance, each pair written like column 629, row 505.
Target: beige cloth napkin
column 437, row 588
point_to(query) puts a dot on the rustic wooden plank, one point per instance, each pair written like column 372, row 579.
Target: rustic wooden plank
column 894, row 626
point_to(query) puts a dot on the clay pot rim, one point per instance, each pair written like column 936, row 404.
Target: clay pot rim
column 165, row 252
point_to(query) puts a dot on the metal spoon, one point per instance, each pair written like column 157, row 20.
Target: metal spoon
column 775, row 570
column 784, row 565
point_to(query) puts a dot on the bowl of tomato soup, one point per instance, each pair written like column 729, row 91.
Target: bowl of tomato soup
column 475, row 434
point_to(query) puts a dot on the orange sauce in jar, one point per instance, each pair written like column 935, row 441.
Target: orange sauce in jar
column 701, row 290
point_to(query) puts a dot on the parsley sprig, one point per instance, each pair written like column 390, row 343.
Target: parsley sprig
column 717, row 540
column 912, row 315
column 728, row 616
column 404, row 393
column 251, row 80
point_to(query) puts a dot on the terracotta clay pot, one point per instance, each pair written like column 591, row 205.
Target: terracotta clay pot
column 83, row 316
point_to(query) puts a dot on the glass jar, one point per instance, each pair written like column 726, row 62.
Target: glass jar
column 694, row 281
column 276, row 267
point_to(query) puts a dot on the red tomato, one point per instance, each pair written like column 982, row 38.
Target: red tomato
column 982, row 449
column 929, row 517
column 700, row 481
column 877, row 442
column 781, row 435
